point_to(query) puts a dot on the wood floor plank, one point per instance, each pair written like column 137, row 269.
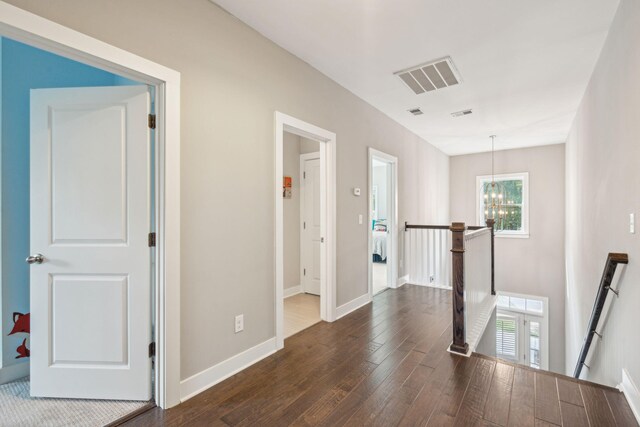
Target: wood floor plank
column 449, row 401
column 620, row 408
column 499, row 399
column 573, row 415
column 522, row 408
column 547, row 405
column 364, row 389
column 597, row 407
column 387, row 389
column 475, row 397
column 398, row 405
column 425, row 403
column 569, row 391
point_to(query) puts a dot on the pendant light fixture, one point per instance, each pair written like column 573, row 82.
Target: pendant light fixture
column 494, row 195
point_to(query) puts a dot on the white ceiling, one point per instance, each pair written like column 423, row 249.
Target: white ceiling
column 524, row 64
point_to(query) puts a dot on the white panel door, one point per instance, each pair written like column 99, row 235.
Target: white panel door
column 90, row 210
column 310, row 247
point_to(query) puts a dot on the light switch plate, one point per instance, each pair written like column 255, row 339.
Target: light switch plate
column 360, row 219
column 632, row 223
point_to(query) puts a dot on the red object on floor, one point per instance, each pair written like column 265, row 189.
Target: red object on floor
column 21, row 323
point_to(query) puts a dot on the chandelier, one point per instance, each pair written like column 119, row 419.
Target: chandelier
column 494, row 195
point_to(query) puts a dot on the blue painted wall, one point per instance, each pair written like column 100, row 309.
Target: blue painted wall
column 25, row 68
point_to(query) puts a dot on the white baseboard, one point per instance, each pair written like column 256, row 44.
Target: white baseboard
column 294, row 290
column 14, row 372
column 223, row 370
column 631, row 392
column 352, row 305
column 403, row 280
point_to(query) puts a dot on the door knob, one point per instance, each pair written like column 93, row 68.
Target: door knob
column 35, row 259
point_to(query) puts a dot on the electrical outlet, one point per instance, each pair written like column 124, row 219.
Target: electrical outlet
column 360, row 219
column 432, row 279
column 239, row 323
column 632, row 223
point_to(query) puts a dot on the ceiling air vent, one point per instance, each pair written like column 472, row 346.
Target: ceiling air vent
column 431, row 76
column 416, row 111
column 462, row 113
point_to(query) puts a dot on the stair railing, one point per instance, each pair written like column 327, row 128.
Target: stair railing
column 613, row 259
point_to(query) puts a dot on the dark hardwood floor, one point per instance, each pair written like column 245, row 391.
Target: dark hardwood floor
column 386, row 365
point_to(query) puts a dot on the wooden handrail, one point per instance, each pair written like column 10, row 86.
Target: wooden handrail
column 613, row 259
column 408, row 226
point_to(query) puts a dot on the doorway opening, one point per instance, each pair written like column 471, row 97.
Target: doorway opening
column 313, row 273
column 77, row 180
column 382, row 225
column 51, row 37
column 301, row 198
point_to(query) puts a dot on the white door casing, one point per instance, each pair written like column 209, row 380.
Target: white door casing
column 392, row 223
column 90, row 210
column 310, row 242
column 327, row 140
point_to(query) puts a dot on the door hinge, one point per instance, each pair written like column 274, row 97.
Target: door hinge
column 304, row 225
column 152, row 121
column 304, row 175
column 304, row 271
column 152, row 240
column 152, row 349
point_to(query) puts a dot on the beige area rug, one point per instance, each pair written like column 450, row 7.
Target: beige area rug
column 17, row 408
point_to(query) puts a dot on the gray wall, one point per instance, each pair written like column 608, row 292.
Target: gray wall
column 535, row 265
column 293, row 147
column 603, row 177
column 233, row 80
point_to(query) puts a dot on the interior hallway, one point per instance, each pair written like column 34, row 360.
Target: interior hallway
column 387, row 364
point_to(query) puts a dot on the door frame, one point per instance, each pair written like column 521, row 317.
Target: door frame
column 42, row 33
column 392, row 196
column 304, row 157
column 327, row 139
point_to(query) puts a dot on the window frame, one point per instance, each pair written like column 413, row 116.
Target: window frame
column 524, row 176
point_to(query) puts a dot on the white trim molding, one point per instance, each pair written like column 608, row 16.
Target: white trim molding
column 403, row 280
column 392, row 197
column 14, row 372
column 201, row 381
column 294, row 290
column 352, row 305
column 327, row 139
column 36, row 31
column 631, row 392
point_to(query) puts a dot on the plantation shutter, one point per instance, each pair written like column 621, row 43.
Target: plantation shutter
column 507, row 337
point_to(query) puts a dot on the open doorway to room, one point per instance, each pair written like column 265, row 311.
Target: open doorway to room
column 76, row 266
column 382, row 221
column 310, row 151
column 301, row 197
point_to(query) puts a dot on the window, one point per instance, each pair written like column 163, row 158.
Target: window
column 522, row 330
column 507, row 337
column 514, row 221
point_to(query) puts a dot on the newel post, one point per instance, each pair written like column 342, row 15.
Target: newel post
column 459, row 344
column 491, row 224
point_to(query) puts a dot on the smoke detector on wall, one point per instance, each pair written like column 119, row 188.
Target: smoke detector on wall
column 431, row 76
